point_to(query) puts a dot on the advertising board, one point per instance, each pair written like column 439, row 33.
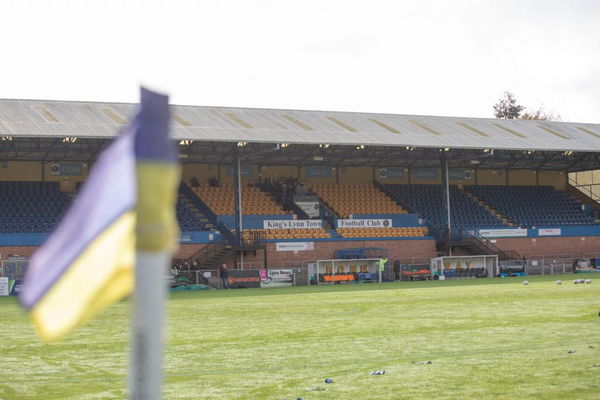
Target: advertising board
column 364, row 223
column 294, row 246
column 317, row 171
column 503, row 232
column 311, row 208
column 292, row 224
column 276, row 278
column 243, row 278
column 549, row 232
column 4, row 290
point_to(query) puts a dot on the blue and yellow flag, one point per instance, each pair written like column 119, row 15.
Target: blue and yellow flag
column 127, row 202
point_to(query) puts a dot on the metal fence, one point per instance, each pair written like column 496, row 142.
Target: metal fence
column 13, row 269
column 550, row 264
column 250, row 265
column 546, row 264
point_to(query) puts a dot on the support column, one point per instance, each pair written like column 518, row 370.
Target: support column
column 237, row 190
column 446, row 192
column 265, row 255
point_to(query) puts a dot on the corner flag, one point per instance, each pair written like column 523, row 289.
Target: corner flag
column 126, row 203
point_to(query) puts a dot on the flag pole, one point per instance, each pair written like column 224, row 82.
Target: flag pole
column 148, row 321
column 158, row 176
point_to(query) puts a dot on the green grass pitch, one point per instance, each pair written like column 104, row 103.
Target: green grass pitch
column 486, row 339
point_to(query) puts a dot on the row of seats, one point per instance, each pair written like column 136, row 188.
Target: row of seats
column 29, row 187
column 345, row 200
column 317, row 233
column 254, row 201
column 36, row 207
column 532, row 205
column 31, row 206
column 383, row 232
column 343, row 232
column 429, row 201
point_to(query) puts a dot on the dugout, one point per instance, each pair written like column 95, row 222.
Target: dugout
column 457, row 267
column 337, row 271
column 360, row 252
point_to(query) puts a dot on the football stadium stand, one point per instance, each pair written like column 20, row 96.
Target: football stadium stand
column 31, row 206
column 220, row 200
column 361, row 166
column 528, row 206
column 345, row 200
column 428, row 201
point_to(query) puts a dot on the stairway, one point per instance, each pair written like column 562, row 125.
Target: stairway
column 478, row 245
column 488, row 207
column 585, row 195
column 214, row 260
column 208, row 225
column 210, row 257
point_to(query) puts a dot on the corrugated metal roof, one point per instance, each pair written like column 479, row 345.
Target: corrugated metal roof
column 43, row 118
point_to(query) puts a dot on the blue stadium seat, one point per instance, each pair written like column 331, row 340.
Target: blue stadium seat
column 38, row 206
column 529, row 206
column 429, row 201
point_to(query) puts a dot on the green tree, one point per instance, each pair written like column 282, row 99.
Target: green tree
column 507, row 107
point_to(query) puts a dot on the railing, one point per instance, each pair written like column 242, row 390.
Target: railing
column 595, row 254
column 203, row 255
column 208, row 277
column 287, row 203
column 253, row 239
column 487, row 247
column 546, row 266
column 250, row 265
column 13, row 269
column 326, row 214
column 228, row 236
column 584, row 193
column 585, row 188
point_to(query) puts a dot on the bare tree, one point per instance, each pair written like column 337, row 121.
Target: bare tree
column 507, row 107
column 541, row 114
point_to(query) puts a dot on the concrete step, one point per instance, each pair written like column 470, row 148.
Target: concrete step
column 490, row 209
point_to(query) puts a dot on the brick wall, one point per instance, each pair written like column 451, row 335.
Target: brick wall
column 575, row 246
column 24, row 251
column 187, row 250
column 405, row 250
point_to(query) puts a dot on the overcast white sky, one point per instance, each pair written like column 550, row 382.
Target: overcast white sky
column 404, row 57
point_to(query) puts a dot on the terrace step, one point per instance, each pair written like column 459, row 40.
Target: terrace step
column 489, row 208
